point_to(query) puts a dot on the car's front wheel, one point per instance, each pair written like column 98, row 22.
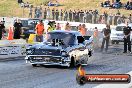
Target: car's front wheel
column 112, row 42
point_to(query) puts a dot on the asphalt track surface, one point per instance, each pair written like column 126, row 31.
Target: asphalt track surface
column 17, row 74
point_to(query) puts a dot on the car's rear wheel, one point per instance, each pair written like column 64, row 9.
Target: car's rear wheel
column 34, row 65
column 117, row 42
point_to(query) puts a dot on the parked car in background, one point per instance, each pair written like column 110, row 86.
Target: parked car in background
column 28, row 26
column 63, row 48
column 117, row 34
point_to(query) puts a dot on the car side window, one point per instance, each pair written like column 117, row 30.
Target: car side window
column 80, row 39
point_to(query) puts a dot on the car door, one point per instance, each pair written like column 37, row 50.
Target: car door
column 82, row 53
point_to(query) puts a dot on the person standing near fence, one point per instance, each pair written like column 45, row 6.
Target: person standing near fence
column 74, row 13
column 95, row 13
column 110, row 18
column 85, row 16
column 106, row 36
column 90, row 16
column 45, row 13
column 61, row 15
column 48, row 13
column 70, row 15
column 65, row 15
column 17, row 29
column 35, row 12
column 57, row 15
column 39, row 31
column 53, row 14
column 2, row 29
column 40, row 12
column 81, row 15
column 30, row 12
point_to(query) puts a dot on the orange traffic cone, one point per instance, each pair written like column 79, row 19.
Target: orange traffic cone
column 10, row 34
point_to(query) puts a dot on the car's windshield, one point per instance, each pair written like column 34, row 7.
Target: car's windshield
column 68, row 38
column 24, row 23
column 32, row 23
column 119, row 28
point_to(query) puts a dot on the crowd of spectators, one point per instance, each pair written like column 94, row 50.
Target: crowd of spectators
column 84, row 16
column 24, row 4
column 117, row 4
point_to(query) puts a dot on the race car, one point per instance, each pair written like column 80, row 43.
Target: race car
column 63, row 48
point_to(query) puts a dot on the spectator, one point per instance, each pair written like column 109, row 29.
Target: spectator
column 106, row 36
column 70, row 15
column 39, row 31
column 45, row 13
column 68, row 27
column 20, row 1
column 58, row 26
column 115, row 19
column 57, row 3
column 30, row 12
column 127, row 31
column 50, row 3
column 95, row 38
column 51, row 26
column 83, row 30
column 74, row 13
column 65, row 15
column 106, row 4
column 81, row 15
column 128, row 5
column 2, row 29
column 57, row 15
column 85, row 17
column 40, row 12
column 110, row 18
column 79, row 27
column 17, row 29
column 35, row 12
column 48, row 13
column 130, row 18
column 117, row 4
column 61, row 14
column 53, row 14
column 120, row 20
column 90, row 17
column 95, row 13
column 3, row 21
column 118, row 12
column 78, row 15
column 105, row 17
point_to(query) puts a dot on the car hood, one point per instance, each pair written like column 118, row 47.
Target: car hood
column 45, row 46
